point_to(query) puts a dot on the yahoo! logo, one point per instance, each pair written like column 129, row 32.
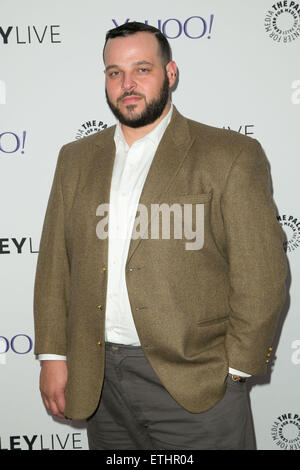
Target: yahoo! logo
column 194, row 27
column 11, row 142
column 18, row 344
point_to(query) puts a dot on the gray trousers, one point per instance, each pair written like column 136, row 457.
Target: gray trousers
column 136, row 412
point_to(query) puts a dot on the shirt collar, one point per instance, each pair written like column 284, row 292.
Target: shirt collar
column 154, row 136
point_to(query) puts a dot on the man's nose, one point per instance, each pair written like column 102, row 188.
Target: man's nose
column 128, row 83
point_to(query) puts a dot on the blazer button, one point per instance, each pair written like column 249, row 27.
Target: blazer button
column 103, row 269
column 267, row 361
column 100, row 307
column 99, row 343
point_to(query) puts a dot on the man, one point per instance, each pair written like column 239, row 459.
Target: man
column 151, row 338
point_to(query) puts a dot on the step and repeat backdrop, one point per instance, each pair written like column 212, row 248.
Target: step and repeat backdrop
column 239, row 69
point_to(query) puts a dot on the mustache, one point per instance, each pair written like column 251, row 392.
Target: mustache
column 130, row 93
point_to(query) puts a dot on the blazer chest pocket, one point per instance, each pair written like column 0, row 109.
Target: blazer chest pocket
column 197, row 198
column 213, row 321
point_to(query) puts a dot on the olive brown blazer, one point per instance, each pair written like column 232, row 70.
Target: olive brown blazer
column 196, row 311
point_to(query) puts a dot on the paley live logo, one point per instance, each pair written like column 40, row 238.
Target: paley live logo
column 16, row 245
column 32, row 34
column 193, row 27
column 69, row 441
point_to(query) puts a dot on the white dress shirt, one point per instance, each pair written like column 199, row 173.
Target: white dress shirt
column 130, row 171
column 129, row 174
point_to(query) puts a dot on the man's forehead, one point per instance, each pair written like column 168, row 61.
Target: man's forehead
column 142, row 43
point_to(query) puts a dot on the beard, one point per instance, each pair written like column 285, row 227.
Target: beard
column 152, row 111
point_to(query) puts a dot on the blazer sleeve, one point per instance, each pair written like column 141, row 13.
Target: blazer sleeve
column 51, row 289
column 257, row 261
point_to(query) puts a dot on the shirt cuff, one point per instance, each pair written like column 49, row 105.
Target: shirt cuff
column 51, row 357
column 238, row 372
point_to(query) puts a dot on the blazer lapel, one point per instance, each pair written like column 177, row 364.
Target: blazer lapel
column 98, row 186
column 170, row 154
column 102, row 167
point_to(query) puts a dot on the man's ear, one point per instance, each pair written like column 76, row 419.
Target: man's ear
column 171, row 69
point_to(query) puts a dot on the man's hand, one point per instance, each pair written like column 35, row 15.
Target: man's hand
column 237, row 378
column 53, row 381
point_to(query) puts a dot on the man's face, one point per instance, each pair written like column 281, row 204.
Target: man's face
column 137, row 85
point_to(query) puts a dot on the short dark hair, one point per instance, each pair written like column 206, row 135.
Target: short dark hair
column 134, row 27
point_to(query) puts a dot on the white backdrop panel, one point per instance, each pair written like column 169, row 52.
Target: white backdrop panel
column 231, row 74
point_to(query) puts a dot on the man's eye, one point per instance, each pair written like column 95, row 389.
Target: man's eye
column 113, row 74
column 144, row 70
